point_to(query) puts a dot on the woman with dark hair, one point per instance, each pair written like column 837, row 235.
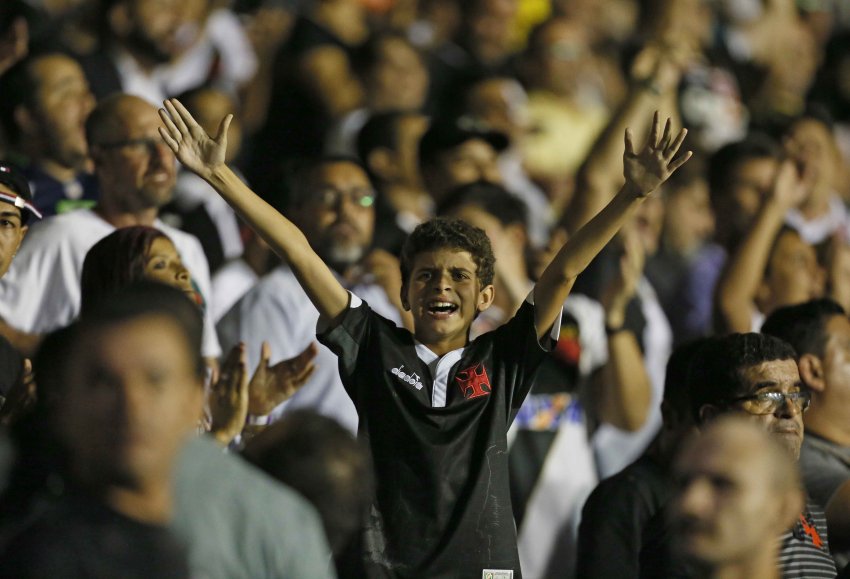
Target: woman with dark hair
column 128, row 255
column 139, row 253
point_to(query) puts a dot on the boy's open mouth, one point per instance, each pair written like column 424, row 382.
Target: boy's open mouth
column 441, row 309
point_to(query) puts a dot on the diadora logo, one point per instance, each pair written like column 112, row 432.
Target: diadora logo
column 412, row 379
column 473, row 381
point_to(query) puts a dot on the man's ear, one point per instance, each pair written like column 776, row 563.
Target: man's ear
column 811, row 372
column 485, row 297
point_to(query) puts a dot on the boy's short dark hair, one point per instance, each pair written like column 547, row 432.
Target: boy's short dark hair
column 716, row 372
column 449, row 233
column 803, row 326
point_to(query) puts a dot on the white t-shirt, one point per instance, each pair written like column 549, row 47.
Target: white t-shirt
column 232, row 281
column 41, row 291
column 278, row 311
column 616, row 448
column 836, row 221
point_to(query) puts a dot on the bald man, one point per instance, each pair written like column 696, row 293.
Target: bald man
column 136, row 174
column 737, row 493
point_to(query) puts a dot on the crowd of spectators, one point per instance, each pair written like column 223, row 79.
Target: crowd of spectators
column 233, row 437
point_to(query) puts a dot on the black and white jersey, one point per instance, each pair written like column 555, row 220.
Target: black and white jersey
column 437, row 428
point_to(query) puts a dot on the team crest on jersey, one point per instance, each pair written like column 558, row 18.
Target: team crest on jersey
column 412, row 379
column 473, row 382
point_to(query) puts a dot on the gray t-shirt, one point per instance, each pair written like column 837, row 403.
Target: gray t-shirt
column 239, row 523
column 825, row 466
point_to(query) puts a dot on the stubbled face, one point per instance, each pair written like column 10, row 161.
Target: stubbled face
column 165, row 266
column 725, row 509
column 335, row 218
column 135, row 168
column 793, row 276
column 62, row 102
column 444, row 295
column 786, row 423
column 132, row 399
column 11, row 231
column 471, row 161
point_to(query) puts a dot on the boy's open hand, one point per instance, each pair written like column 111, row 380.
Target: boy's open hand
column 192, row 146
column 646, row 170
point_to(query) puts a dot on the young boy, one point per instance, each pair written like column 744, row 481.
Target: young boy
column 433, row 406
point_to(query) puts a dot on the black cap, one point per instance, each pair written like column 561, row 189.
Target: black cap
column 449, row 132
column 21, row 196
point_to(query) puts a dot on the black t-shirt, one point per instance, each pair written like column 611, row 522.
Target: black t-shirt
column 82, row 538
column 624, row 529
column 442, row 506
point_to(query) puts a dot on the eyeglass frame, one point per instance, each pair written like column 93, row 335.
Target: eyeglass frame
column 365, row 200
column 787, row 398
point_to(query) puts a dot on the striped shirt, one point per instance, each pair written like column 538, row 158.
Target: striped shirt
column 804, row 550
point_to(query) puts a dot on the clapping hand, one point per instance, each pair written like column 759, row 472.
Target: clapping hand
column 228, row 397
column 273, row 385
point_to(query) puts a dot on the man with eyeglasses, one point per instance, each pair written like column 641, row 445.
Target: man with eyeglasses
column 135, row 171
column 756, row 377
column 819, row 331
column 332, row 201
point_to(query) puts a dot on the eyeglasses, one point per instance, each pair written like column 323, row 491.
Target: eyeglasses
column 329, row 197
column 770, row 402
column 142, row 145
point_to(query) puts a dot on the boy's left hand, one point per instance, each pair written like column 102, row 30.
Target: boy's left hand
column 646, row 170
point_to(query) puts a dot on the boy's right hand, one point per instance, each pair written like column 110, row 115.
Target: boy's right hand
column 192, row 146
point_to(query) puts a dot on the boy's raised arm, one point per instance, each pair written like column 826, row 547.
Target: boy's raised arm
column 204, row 156
column 644, row 172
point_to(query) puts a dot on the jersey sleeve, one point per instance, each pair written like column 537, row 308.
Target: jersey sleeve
column 355, row 339
column 517, row 347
